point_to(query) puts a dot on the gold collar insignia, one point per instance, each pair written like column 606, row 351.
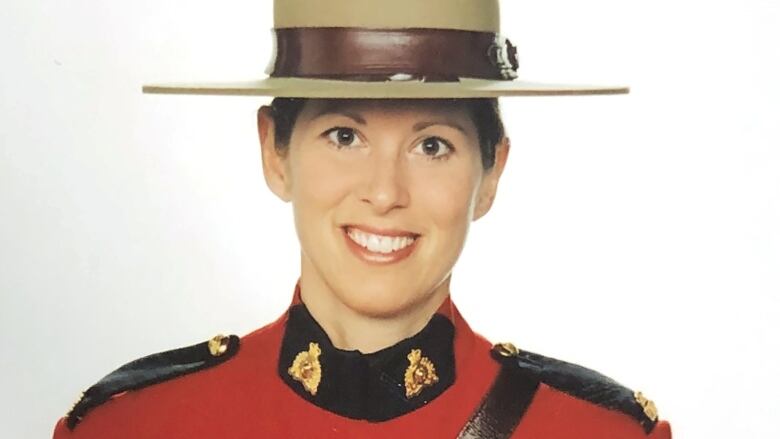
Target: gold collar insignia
column 306, row 368
column 421, row 373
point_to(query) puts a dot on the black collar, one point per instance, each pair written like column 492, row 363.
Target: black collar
column 375, row 387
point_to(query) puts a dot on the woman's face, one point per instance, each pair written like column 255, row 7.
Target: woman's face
column 383, row 193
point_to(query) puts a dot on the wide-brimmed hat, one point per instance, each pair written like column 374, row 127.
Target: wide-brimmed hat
column 388, row 49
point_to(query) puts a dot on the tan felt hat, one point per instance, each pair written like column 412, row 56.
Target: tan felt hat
column 388, row 49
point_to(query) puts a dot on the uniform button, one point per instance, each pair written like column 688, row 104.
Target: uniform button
column 218, row 345
column 506, row 349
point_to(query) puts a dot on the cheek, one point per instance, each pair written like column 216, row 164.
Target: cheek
column 320, row 175
column 318, row 185
column 447, row 197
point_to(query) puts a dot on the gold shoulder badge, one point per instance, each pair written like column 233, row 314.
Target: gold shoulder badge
column 306, row 368
column 647, row 406
column 421, row 373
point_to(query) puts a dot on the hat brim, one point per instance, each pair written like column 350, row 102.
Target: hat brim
column 411, row 89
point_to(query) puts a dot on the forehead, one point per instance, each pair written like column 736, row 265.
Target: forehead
column 444, row 108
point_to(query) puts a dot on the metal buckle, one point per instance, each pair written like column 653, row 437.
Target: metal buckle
column 503, row 54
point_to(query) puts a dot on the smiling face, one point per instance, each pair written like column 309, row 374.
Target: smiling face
column 383, row 193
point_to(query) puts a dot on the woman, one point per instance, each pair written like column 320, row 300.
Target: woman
column 383, row 193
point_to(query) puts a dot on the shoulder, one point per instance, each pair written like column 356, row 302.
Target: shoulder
column 567, row 393
column 150, row 370
column 165, row 388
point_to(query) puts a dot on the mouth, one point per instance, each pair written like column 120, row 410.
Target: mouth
column 380, row 246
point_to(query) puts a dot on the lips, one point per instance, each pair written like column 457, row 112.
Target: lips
column 380, row 245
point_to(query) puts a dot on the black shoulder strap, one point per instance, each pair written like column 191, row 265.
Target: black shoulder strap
column 154, row 369
column 507, row 400
column 591, row 386
column 518, row 380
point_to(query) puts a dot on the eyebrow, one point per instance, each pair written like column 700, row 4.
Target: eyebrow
column 339, row 108
column 423, row 125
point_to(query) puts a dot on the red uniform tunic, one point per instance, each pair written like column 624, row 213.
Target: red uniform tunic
column 248, row 396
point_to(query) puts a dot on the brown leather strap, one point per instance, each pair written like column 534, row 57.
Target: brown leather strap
column 382, row 54
column 505, row 404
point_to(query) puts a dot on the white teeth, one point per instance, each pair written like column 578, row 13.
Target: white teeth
column 374, row 243
column 379, row 243
column 386, row 244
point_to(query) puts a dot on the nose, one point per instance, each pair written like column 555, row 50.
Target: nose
column 385, row 186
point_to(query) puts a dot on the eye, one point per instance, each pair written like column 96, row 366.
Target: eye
column 434, row 148
column 342, row 137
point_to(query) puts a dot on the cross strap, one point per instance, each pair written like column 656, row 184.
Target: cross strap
column 506, row 402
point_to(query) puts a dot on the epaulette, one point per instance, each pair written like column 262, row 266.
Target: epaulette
column 582, row 383
column 154, row 369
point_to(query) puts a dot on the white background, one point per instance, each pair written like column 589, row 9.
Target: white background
column 638, row 235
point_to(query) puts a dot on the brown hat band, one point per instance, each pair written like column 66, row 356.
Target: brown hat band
column 392, row 54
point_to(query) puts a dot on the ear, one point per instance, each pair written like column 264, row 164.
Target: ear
column 275, row 169
column 489, row 185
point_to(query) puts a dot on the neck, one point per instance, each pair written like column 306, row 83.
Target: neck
column 349, row 329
